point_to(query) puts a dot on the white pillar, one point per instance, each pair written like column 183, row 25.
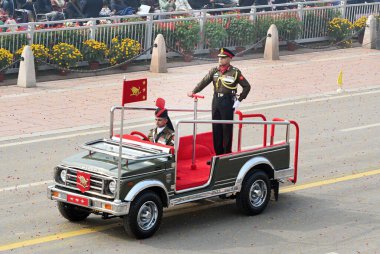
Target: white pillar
column 272, row 48
column 369, row 39
column 26, row 72
column 158, row 61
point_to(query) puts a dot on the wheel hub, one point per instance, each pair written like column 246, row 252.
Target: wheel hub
column 258, row 193
column 147, row 215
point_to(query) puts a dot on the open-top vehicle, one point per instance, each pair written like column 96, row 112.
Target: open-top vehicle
column 134, row 179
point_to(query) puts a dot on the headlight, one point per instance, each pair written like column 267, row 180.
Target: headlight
column 112, row 187
column 63, row 175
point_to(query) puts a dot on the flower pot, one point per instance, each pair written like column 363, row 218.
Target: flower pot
column 123, row 67
column 361, row 37
column 188, row 56
column 63, row 72
column 214, row 53
column 94, row 65
column 2, row 76
column 291, row 46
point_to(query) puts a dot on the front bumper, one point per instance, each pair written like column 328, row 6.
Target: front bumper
column 96, row 204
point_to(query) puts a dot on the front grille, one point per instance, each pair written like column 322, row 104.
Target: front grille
column 98, row 183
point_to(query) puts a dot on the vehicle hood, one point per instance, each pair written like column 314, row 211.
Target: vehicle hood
column 108, row 165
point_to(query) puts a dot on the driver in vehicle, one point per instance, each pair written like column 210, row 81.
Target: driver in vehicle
column 164, row 131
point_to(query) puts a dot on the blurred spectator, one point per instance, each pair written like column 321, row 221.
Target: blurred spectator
column 43, row 6
column 278, row 8
column 359, row 1
column 198, row 4
column 58, row 5
column 135, row 4
column 154, row 4
column 8, row 7
column 182, row 5
column 243, row 3
column 119, row 7
column 167, row 5
column 105, row 11
column 262, row 2
column 72, row 10
column 91, row 8
column 25, row 4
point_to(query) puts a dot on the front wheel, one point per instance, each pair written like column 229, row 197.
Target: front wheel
column 144, row 216
column 72, row 212
column 255, row 193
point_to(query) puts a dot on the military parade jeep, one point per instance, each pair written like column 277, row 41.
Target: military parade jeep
column 134, row 179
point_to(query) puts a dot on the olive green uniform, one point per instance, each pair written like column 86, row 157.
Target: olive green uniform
column 165, row 137
column 225, row 89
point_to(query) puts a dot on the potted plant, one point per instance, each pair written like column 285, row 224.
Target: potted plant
column 320, row 18
column 166, row 28
column 359, row 27
column 339, row 29
column 187, row 36
column 65, row 56
column 94, row 52
column 261, row 26
column 40, row 53
column 241, row 31
column 289, row 30
column 123, row 49
column 215, row 35
column 6, row 58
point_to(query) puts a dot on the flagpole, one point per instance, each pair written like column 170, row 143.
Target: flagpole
column 117, row 200
column 340, row 82
column 130, row 88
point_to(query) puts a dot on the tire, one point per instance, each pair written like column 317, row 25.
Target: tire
column 144, row 217
column 72, row 212
column 255, row 194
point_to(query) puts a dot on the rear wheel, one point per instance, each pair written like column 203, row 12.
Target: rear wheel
column 144, row 216
column 72, row 212
column 255, row 193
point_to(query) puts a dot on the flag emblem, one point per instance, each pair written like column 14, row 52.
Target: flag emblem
column 134, row 90
column 83, row 181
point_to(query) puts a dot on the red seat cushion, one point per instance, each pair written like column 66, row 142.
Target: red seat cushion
column 188, row 175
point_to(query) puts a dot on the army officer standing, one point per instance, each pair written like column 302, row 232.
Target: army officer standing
column 225, row 79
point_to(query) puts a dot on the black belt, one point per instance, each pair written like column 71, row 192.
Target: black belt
column 224, row 94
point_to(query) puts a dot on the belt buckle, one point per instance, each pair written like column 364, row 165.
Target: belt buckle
column 220, row 95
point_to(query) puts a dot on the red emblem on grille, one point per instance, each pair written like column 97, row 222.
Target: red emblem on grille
column 83, row 181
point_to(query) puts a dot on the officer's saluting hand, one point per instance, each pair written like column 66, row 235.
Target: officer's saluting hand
column 225, row 78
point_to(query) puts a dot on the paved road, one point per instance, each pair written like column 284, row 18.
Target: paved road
column 338, row 141
column 72, row 104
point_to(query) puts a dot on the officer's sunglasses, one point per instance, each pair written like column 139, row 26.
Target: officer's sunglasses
column 159, row 119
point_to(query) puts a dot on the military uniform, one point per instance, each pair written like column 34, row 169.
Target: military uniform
column 165, row 137
column 225, row 81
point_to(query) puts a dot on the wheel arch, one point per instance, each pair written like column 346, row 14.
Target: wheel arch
column 251, row 166
column 153, row 185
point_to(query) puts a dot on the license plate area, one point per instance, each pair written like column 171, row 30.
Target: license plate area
column 77, row 200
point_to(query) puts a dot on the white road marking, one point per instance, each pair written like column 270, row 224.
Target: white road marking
column 66, row 136
column 23, row 186
column 249, row 108
column 361, row 127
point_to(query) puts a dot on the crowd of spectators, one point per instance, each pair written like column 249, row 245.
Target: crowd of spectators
column 31, row 10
